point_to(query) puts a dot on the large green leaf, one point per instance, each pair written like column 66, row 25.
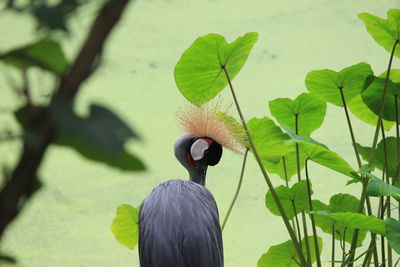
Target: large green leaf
column 269, row 139
column 295, row 198
column 372, row 96
column 308, row 110
column 362, row 111
column 199, row 75
column 337, row 203
column 320, row 154
column 45, row 54
column 125, row 225
column 351, row 220
column 379, row 162
column 100, row 137
column 290, row 162
column 385, row 32
column 377, row 188
column 284, row 255
column 393, row 233
column 326, row 84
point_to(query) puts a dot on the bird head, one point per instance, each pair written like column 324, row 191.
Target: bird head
column 196, row 154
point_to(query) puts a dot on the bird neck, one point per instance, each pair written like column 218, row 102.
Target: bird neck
column 198, row 174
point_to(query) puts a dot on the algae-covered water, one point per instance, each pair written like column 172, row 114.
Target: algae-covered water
column 67, row 223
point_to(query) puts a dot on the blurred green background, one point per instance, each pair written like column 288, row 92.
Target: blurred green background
column 67, row 222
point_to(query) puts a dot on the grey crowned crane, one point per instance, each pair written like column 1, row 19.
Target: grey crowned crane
column 179, row 221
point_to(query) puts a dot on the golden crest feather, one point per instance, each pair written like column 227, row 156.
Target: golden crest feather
column 205, row 121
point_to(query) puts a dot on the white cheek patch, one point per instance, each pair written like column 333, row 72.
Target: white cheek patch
column 197, row 149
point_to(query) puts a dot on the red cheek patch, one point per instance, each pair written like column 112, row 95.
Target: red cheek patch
column 189, row 159
column 209, row 141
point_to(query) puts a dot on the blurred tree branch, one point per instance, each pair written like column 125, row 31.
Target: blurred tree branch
column 41, row 126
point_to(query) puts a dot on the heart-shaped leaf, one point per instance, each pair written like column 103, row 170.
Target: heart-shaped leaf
column 45, row 54
column 372, row 96
column 362, row 111
column 199, row 75
column 294, row 200
column 385, row 32
column 269, row 139
column 306, row 113
column 286, row 167
column 125, row 225
column 337, row 203
column 393, row 233
column 379, row 162
column 320, row 154
column 326, row 84
column 353, row 221
column 284, row 254
column 377, row 188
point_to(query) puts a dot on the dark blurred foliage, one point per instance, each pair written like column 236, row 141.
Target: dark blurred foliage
column 101, row 136
column 50, row 17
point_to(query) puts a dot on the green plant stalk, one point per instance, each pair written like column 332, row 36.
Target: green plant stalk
column 397, row 262
column 314, row 229
column 381, row 107
column 237, row 190
column 386, row 167
column 287, row 185
column 398, row 146
column 285, row 171
column 353, row 140
column 367, row 259
column 266, row 177
column 372, row 155
column 333, row 246
column 381, row 210
column 303, row 214
column 344, row 247
column 381, row 214
column 389, row 215
column 297, row 223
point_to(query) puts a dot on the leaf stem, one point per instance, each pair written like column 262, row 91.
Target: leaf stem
column 297, row 223
column 381, row 106
column 386, row 167
column 303, row 214
column 372, row 154
column 344, row 247
column 266, row 177
column 381, row 214
column 353, row 139
column 382, row 205
column 287, row 185
column 333, row 246
column 314, row 229
column 285, row 171
column 398, row 145
column 237, row 190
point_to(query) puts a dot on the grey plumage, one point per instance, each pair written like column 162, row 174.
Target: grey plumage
column 178, row 220
column 179, row 227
